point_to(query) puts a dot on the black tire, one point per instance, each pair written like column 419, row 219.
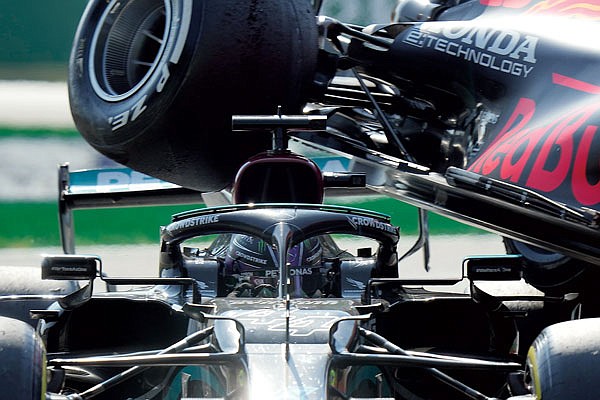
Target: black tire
column 22, row 361
column 205, row 60
column 28, row 281
column 563, row 362
column 547, row 271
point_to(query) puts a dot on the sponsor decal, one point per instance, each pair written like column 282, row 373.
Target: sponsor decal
column 273, row 273
column 576, row 84
column 505, row 3
column 65, row 268
column 491, row 270
column 233, row 302
column 196, row 221
column 110, row 180
column 301, row 271
column 123, row 180
column 506, row 51
column 247, row 257
column 120, row 120
column 551, row 157
column 300, row 324
column 356, row 283
column 317, row 256
column 357, row 222
column 568, row 8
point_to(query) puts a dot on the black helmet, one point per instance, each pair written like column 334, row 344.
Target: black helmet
column 256, row 262
column 249, row 254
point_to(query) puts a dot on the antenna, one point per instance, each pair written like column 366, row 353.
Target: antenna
column 279, row 124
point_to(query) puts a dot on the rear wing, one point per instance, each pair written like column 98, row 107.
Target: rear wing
column 124, row 187
column 108, row 188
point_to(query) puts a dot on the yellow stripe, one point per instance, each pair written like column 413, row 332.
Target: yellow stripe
column 44, row 377
column 533, row 366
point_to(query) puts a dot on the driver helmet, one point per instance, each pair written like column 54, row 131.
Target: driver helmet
column 254, row 261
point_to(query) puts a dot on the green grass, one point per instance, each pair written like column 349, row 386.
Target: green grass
column 10, row 132
column 36, row 224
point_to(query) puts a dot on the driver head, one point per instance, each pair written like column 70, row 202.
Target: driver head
column 254, row 261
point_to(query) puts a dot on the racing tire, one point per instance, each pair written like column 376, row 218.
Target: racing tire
column 153, row 83
column 15, row 281
column 564, row 362
column 547, row 271
column 22, row 361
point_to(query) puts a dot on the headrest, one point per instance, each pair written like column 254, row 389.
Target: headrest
column 281, row 177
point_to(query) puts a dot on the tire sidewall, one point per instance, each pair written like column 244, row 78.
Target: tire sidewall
column 563, row 363
column 232, row 57
column 547, row 271
column 126, row 117
column 22, row 361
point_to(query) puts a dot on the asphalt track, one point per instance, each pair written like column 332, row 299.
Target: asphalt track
column 34, row 104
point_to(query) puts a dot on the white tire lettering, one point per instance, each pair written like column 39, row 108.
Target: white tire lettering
column 164, row 78
column 138, row 108
column 119, row 121
column 184, row 21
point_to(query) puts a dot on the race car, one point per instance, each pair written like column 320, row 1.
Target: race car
column 290, row 299
column 265, row 293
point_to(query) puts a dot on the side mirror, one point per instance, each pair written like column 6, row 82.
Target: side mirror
column 504, row 267
column 70, row 267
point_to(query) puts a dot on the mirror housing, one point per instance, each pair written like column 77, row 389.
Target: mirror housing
column 70, row 267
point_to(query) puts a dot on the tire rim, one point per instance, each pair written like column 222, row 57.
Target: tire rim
column 127, row 46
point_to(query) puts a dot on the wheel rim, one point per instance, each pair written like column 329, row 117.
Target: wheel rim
column 127, row 46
